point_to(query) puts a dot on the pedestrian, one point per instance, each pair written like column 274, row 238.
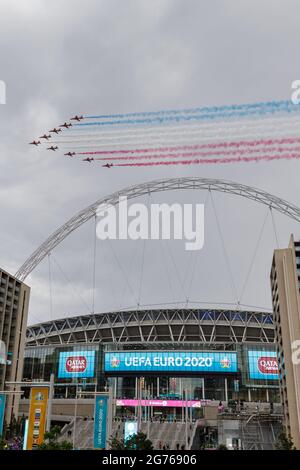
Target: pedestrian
column 221, row 407
column 177, row 446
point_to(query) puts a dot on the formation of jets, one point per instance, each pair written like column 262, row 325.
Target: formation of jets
column 57, row 130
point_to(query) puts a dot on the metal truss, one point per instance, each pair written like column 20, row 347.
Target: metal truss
column 172, row 326
column 173, row 184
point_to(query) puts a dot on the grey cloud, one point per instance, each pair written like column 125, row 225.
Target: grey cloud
column 60, row 58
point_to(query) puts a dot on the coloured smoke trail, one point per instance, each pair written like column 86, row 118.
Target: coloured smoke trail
column 183, row 132
column 218, row 145
column 242, row 133
column 268, row 158
column 203, row 154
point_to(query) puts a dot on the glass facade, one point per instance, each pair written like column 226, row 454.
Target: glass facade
column 84, row 366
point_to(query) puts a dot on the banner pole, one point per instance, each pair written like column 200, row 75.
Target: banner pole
column 50, row 401
column 109, row 416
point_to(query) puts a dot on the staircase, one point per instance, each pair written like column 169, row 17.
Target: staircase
column 164, row 433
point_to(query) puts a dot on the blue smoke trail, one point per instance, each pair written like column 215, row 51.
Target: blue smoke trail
column 211, row 109
column 202, row 117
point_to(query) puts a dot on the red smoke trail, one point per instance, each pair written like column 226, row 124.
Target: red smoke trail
column 246, row 151
column 288, row 156
column 250, row 143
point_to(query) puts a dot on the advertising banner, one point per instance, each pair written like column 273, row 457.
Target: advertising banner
column 2, row 411
column 75, row 364
column 170, row 361
column 37, row 416
column 100, row 421
column 263, row 365
column 130, row 429
column 162, row 403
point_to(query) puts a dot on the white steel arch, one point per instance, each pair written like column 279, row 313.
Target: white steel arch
column 254, row 194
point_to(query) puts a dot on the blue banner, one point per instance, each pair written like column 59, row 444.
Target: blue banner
column 76, row 364
column 262, row 365
column 170, row 361
column 100, row 421
column 2, row 411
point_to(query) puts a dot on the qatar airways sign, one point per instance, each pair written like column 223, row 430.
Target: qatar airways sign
column 263, row 365
column 76, row 364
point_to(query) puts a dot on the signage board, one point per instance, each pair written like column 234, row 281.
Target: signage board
column 100, row 421
column 2, row 411
column 263, row 365
column 74, row 364
column 37, row 416
column 170, row 361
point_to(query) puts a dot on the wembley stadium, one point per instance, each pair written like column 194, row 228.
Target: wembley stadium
column 162, row 365
column 187, row 377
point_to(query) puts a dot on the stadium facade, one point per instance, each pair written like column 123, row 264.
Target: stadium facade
column 162, row 356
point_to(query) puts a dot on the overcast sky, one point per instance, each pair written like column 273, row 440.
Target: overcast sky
column 105, row 56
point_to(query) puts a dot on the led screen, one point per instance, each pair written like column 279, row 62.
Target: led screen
column 262, row 365
column 76, row 364
column 170, row 361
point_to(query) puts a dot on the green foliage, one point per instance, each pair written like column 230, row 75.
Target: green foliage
column 50, row 441
column 284, row 442
column 116, row 444
column 137, row 441
column 222, row 447
column 14, row 428
column 3, row 444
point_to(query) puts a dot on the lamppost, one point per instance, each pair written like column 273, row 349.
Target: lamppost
column 186, row 390
column 75, row 415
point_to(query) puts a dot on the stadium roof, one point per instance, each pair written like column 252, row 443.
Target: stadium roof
column 208, row 326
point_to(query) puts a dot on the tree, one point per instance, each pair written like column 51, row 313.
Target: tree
column 15, row 428
column 116, row 444
column 137, row 441
column 284, row 442
column 51, row 443
column 222, row 447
